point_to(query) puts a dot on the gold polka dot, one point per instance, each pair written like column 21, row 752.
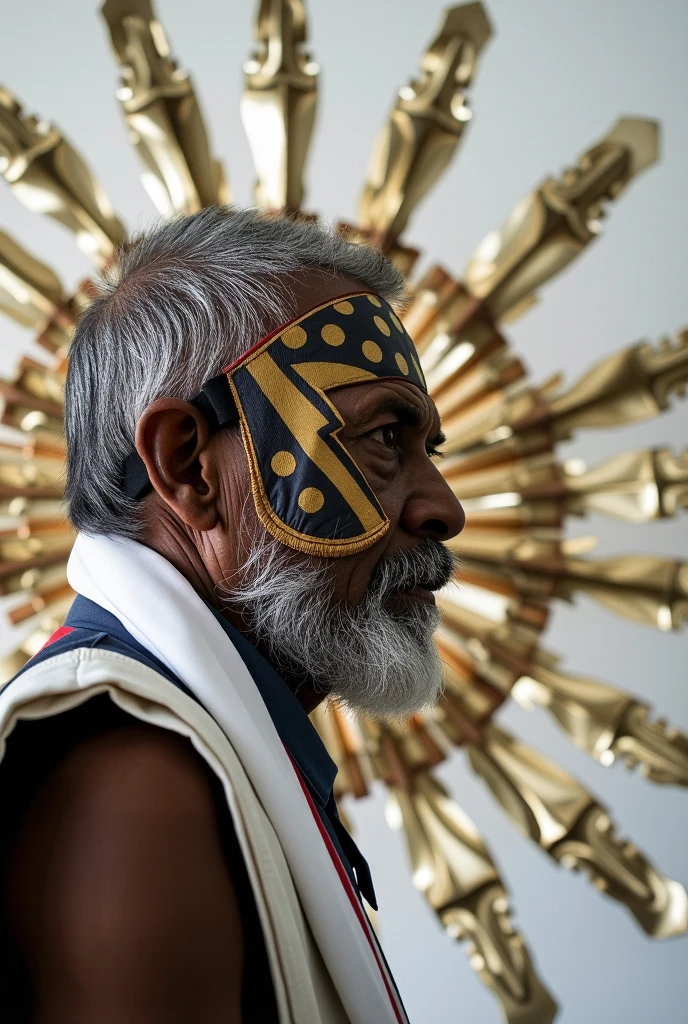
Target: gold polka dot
column 396, row 321
column 382, row 325
column 401, row 362
column 332, row 334
column 311, row 499
column 372, row 351
column 374, row 299
column 283, row 463
column 344, row 307
column 294, row 337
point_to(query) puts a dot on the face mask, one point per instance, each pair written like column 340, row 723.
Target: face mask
column 308, row 491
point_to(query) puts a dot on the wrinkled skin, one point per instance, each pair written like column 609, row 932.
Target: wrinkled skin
column 201, row 481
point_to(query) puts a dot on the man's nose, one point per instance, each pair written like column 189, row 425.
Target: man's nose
column 433, row 510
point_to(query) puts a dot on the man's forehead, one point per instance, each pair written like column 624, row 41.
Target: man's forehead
column 311, row 288
column 361, row 402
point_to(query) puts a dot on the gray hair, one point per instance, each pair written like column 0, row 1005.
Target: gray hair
column 180, row 302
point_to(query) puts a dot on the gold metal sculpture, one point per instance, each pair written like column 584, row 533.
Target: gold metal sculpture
column 552, row 225
column 503, row 438
column 278, row 106
column 48, row 176
column 162, row 113
column 425, row 127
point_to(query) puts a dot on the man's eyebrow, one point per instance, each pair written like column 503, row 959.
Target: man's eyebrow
column 406, row 412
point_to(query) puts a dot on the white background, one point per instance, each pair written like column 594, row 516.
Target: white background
column 554, row 78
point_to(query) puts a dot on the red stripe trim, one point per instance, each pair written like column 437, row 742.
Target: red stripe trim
column 57, row 635
column 348, row 888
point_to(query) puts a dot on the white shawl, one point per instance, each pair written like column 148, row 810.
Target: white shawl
column 160, row 609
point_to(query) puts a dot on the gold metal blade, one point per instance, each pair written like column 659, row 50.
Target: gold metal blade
column 279, row 102
column 48, row 176
column 628, row 386
column 636, row 486
column 551, row 227
column 643, row 588
column 425, row 126
column 554, row 810
column 162, row 113
column 455, row 871
column 607, row 723
column 31, row 293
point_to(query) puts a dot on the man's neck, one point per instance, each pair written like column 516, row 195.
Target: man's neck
column 195, row 559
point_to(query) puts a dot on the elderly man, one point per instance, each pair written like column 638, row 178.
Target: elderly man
column 250, row 446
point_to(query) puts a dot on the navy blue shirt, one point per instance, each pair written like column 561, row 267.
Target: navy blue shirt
column 35, row 747
column 93, row 626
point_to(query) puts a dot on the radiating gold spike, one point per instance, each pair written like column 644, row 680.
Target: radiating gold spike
column 27, row 411
column 35, row 580
column 636, row 486
column 36, row 603
column 45, row 622
column 554, row 810
column 496, row 419
column 471, row 659
column 425, row 125
column 476, row 612
column 643, row 588
column 428, row 298
column 162, row 113
column 455, row 871
column 28, row 573
column 345, row 744
column 498, row 446
column 534, row 476
column 508, row 546
column 496, row 371
column 278, row 105
column 31, row 511
column 552, row 225
column 48, row 176
column 15, row 549
column 461, row 333
column 30, row 292
column 633, row 384
column 508, row 579
column 33, row 378
column 37, row 443
column 606, row 723
column 509, row 510
column 38, row 477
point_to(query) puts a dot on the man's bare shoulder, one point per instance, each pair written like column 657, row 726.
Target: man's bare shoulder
column 120, row 895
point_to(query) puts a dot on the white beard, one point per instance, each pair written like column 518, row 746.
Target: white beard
column 378, row 656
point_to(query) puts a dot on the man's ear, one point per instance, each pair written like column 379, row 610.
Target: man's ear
column 172, row 439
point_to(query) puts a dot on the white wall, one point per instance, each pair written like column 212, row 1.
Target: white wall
column 554, row 78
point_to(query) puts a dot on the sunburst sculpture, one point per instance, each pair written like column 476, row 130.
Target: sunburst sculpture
column 503, row 435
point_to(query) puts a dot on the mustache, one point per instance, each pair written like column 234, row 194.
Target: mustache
column 429, row 566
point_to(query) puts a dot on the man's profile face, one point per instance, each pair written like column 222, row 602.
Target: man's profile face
column 360, row 626
column 392, row 430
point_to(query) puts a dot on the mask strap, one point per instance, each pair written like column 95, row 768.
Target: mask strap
column 215, row 401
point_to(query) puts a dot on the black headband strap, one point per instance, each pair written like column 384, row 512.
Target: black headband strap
column 216, row 401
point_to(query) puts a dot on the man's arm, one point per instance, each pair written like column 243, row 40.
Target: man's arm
column 120, row 897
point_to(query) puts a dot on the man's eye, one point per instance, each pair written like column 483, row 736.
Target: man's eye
column 387, row 435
